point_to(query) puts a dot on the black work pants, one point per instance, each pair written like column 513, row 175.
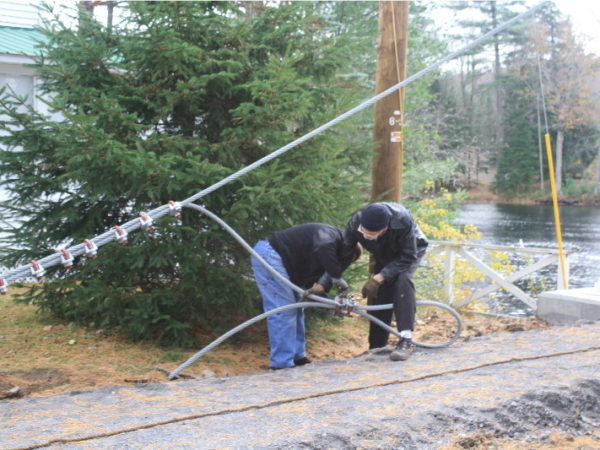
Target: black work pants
column 400, row 291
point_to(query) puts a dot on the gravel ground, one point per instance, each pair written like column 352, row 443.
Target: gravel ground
column 519, row 386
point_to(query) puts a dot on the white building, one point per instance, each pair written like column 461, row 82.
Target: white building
column 18, row 40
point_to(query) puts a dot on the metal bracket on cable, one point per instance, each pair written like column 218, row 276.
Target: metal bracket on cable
column 121, row 235
column 175, row 210
column 344, row 304
column 65, row 258
column 37, row 270
column 91, row 249
column 3, row 286
column 146, row 222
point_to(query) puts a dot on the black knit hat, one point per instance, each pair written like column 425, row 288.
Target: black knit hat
column 375, row 217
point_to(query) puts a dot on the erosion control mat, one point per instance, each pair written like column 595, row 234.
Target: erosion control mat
column 505, row 383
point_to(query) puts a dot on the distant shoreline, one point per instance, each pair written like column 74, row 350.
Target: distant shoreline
column 479, row 195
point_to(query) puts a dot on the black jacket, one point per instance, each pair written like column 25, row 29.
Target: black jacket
column 398, row 249
column 311, row 252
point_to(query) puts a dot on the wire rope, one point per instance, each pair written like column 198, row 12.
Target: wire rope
column 134, row 224
column 321, row 302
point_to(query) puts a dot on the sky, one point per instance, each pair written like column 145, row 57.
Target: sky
column 585, row 16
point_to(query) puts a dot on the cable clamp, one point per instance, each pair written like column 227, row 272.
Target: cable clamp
column 3, row 286
column 65, row 258
column 91, row 249
column 37, row 270
column 120, row 235
column 146, row 222
column 175, row 210
column 344, row 304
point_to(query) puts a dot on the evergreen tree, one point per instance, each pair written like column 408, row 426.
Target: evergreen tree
column 174, row 99
column 518, row 163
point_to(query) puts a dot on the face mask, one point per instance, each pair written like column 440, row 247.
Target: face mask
column 368, row 236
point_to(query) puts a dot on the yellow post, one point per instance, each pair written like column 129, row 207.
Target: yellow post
column 561, row 252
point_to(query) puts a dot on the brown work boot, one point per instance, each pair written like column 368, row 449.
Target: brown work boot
column 403, row 350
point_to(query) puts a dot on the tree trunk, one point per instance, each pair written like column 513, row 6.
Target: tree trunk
column 388, row 157
column 499, row 132
column 560, row 138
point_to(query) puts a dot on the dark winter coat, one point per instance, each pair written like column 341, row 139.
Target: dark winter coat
column 398, row 249
column 311, row 252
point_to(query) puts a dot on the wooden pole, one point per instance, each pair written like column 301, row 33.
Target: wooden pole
column 388, row 157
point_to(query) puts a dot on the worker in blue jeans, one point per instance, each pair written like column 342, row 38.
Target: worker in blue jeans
column 310, row 256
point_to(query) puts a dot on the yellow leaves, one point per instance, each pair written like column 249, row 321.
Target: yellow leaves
column 472, row 232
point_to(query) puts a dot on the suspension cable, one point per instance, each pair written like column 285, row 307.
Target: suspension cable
column 134, row 224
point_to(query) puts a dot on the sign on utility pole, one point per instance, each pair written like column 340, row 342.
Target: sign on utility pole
column 388, row 157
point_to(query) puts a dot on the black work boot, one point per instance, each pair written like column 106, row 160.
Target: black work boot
column 302, row 361
column 403, row 350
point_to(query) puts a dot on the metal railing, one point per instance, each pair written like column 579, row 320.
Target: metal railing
column 464, row 250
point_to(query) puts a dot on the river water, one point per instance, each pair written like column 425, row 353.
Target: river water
column 534, row 225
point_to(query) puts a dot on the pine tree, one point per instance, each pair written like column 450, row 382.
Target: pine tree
column 174, row 99
column 518, row 163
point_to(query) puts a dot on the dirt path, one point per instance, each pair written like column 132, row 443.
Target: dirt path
column 514, row 387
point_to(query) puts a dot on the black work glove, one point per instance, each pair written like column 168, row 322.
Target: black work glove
column 340, row 285
column 370, row 289
column 316, row 289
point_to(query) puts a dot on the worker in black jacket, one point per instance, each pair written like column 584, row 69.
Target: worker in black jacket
column 311, row 257
column 389, row 232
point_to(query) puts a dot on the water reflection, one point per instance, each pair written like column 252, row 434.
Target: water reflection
column 534, row 225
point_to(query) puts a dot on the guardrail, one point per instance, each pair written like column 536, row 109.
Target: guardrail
column 464, row 250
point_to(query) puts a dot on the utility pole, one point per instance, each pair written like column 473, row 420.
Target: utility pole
column 388, row 157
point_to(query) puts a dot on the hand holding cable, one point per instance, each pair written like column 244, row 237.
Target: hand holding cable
column 316, row 289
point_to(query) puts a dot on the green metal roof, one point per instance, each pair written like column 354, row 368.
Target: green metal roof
column 19, row 41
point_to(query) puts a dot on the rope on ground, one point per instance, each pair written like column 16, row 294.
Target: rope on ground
column 171, row 208
column 304, row 397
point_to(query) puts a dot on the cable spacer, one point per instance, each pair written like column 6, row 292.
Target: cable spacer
column 65, row 258
column 3, row 286
column 120, row 235
column 175, row 209
column 146, row 222
column 37, row 270
column 91, row 249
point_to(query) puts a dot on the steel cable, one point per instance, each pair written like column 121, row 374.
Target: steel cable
column 321, row 302
column 133, row 225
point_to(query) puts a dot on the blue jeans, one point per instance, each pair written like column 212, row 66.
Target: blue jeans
column 286, row 329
